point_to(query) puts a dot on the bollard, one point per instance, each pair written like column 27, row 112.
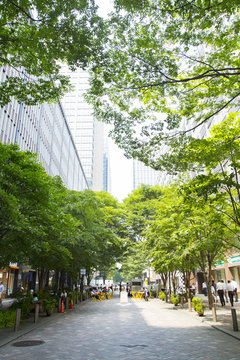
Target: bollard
column 189, row 305
column 234, row 319
column 214, row 313
column 17, row 320
column 36, row 313
column 66, row 303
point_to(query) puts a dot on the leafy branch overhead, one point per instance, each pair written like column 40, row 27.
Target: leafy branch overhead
column 169, row 67
column 36, row 36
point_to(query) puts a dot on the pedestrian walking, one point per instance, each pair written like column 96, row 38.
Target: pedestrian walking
column 213, row 292
column 204, row 287
column 225, row 292
column 1, row 290
column 230, row 290
column 235, row 290
column 220, row 290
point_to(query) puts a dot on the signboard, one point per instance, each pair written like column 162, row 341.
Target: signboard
column 234, row 259
column 13, row 265
column 83, row 271
column 219, row 263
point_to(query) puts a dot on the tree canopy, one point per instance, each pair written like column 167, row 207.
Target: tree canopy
column 169, row 67
column 47, row 226
column 36, row 36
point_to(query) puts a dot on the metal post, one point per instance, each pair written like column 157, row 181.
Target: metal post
column 36, row 313
column 17, row 320
column 214, row 313
column 66, row 303
column 234, row 319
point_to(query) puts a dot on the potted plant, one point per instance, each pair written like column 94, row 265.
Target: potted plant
column 198, row 306
column 175, row 299
column 200, row 309
column 49, row 305
column 162, row 295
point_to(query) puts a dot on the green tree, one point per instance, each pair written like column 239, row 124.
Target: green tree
column 168, row 64
column 217, row 159
column 185, row 235
column 141, row 207
column 34, row 229
column 36, row 36
column 98, row 243
column 24, row 191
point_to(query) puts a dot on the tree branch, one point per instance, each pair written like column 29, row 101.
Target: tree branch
column 207, row 118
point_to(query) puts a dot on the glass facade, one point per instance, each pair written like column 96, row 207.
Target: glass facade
column 87, row 132
column 143, row 175
column 43, row 129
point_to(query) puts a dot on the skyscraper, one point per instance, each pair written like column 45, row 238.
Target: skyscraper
column 43, row 129
column 88, row 133
column 143, row 174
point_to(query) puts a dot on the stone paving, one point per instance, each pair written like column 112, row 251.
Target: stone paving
column 137, row 330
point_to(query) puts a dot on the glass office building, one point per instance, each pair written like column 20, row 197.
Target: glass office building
column 43, row 129
column 143, row 175
column 88, row 133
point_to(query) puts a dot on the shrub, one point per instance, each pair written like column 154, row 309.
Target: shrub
column 195, row 302
column 199, row 308
column 198, row 305
column 50, row 303
column 175, row 299
column 162, row 295
column 24, row 304
column 7, row 318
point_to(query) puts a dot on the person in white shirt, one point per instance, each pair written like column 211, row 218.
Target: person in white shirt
column 204, row 287
column 220, row 290
column 230, row 289
column 1, row 290
column 225, row 292
column 235, row 290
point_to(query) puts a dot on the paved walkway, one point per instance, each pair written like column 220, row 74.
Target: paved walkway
column 109, row 330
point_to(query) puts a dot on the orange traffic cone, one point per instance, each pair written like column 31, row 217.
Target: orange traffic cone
column 71, row 304
column 61, row 308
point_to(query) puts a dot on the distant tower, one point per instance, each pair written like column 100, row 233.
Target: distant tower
column 106, row 169
column 143, row 174
column 88, row 133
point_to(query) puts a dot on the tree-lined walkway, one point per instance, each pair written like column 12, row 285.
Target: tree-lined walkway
column 137, row 330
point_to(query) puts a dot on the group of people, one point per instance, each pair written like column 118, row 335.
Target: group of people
column 96, row 292
column 226, row 292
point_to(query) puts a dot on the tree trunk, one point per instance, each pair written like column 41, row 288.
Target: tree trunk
column 164, row 278
column 81, row 288
column 188, row 290
column 209, row 285
column 42, row 274
column 62, row 279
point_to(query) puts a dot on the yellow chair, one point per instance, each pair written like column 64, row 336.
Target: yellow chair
column 134, row 295
column 102, row 296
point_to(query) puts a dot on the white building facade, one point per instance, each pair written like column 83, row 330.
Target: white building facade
column 88, row 133
column 43, row 129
